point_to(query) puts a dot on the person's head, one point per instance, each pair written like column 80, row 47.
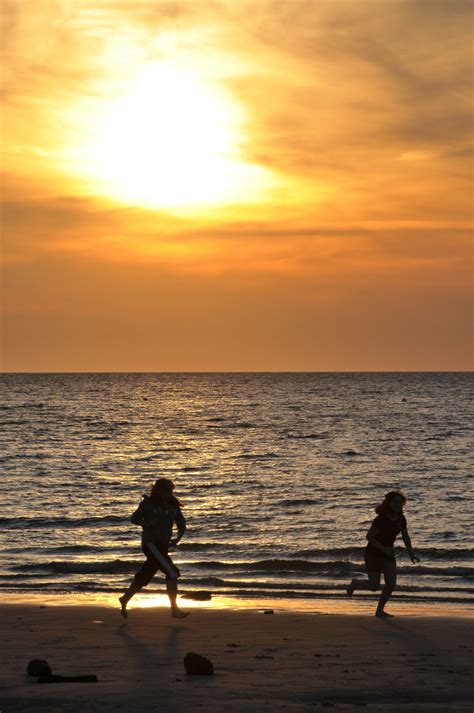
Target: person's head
column 162, row 492
column 394, row 501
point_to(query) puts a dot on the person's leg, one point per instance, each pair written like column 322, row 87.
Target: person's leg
column 390, row 578
column 131, row 590
column 140, row 580
column 172, row 573
column 172, row 591
column 372, row 583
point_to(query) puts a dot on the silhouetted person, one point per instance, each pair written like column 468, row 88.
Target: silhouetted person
column 379, row 556
column 156, row 514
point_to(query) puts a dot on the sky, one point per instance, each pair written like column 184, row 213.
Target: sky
column 236, row 185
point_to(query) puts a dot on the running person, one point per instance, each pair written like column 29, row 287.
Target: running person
column 156, row 514
column 379, row 556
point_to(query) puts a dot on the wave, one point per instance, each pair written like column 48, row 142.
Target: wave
column 278, row 566
column 290, row 594
column 208, row 581
column 27, row 581
column 198, row 546
column 301, row 501
column 119, row 566
column 81, row 567
column 313, row 586
column 257, row 456
column 310, row 436
column 159, row 453
column 79, row 549
column 229, row 423
column 441, row 436
column 432, row 553
column 246, row 590
column 26, row 456
column 446, row 553
column 27, row 405
column 39, row 522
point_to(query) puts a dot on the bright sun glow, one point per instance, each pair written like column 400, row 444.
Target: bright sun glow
column 172, row 142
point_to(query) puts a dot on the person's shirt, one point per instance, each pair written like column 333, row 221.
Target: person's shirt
column 157, row 521
column 387, row 529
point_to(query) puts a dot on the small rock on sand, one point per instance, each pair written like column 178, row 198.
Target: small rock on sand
column 38, row 667
column 197, row 665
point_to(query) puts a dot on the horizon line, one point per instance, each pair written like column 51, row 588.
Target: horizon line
column 245, row 371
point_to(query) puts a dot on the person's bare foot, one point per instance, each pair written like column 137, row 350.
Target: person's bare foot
column 123, row 609
column 383, row 615
column 178, row 613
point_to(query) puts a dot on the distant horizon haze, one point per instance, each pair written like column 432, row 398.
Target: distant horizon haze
column 249, row 371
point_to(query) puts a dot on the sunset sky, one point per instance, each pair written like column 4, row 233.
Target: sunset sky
column 236, row 185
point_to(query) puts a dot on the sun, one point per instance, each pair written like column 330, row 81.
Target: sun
column 173, row 142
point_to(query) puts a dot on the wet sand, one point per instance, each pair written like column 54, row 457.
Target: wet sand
column 286, row 661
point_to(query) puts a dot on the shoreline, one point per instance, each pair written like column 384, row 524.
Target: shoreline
column 290, row 662
column 344, row 606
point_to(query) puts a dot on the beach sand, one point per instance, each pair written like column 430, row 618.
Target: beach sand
column 286, row 661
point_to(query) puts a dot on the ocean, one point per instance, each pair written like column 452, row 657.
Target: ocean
column 278, row 473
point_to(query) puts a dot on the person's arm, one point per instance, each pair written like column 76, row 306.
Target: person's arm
column 372, row 538
column 180, row 524
column 407, row 541
column 138, row 517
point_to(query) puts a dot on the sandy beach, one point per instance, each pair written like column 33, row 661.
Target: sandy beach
column 285, row 661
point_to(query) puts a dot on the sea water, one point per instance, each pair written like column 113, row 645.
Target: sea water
column 278, row 474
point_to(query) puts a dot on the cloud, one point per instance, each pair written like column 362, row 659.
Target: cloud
column 362, row 107
column 339, row 255
column 333, row 91
column 396, row 77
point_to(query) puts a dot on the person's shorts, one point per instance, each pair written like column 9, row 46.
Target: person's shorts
column 377, row 561
column 158, row 554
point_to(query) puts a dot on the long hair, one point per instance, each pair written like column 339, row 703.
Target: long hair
column 385, row 504
column 162, row 494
